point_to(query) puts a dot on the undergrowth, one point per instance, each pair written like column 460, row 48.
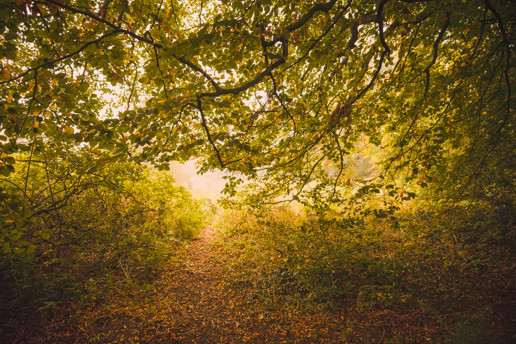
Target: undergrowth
column 442, row 275
column 115, row 236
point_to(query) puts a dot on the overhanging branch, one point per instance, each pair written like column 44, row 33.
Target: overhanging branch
column 379, row 21
column 52, row 62
column 435, row 49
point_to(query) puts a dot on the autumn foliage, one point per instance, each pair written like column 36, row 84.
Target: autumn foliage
column 368, row 149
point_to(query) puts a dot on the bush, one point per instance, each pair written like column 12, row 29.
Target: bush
column 448, row 260
column 78, row 225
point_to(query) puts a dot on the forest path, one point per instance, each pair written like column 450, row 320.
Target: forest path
column 206, row 310
column 190, row 302
column 210, row 310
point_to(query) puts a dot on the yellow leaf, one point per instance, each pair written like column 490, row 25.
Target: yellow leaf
column 6, row 73
column 31, row 84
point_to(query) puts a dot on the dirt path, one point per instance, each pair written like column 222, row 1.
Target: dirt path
column 191, row 302
column 208, row 310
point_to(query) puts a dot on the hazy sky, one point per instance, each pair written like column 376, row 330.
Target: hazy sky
column 210, row 184
column 207, row 185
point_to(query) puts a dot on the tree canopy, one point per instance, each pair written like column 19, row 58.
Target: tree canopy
column 284, row 92
column 388, row 126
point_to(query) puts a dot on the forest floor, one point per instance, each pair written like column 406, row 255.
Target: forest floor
column 191, row 302
column 207, row 310
column 194, row 301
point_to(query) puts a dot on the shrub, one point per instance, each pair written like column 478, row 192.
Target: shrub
column 78, row 225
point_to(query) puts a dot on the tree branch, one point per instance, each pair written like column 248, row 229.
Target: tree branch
column 320, row 37
column 208, row 134
column 373, row 79
column 379, row 21
column 249, row 84
column 52, row 62
column 435, row 48
column 324, row 7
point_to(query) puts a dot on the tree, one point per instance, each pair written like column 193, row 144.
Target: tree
column 280, row 91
